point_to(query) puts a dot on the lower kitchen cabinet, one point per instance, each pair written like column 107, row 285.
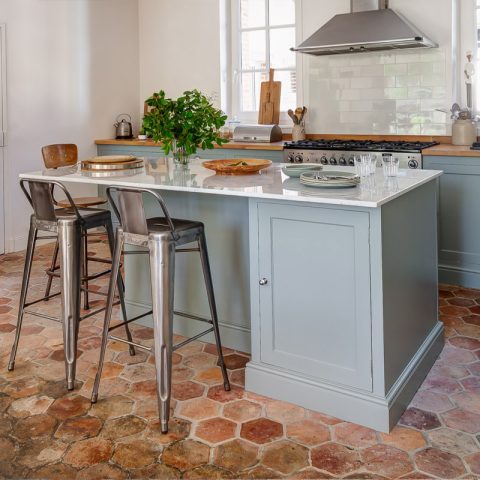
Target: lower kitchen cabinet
column 315, row 306
column 459, row 219
column 155, row 152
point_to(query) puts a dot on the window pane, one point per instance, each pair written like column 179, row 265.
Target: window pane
column 250, row 91
column 282, row 12
column 252, row 13
column 281, row 40
column 289, row 89
column 254, row 50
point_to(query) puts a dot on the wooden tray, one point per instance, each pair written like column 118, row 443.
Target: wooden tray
column 233, row 166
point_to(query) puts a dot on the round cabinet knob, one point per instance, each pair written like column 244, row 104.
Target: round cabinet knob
column 333, row 161
column 324, row 160
column 298, row 159
column 351, row 161
column 412, row 164
column 263, row 281
column 342, row 161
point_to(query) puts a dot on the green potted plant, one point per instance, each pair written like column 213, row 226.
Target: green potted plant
column 184, row 124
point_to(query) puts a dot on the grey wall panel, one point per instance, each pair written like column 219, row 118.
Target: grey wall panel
column 409, row 276
column 226, row 224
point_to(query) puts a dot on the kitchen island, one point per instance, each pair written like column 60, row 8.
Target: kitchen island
column 334, row 292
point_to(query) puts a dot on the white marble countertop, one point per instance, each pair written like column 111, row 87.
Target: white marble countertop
column 271, row 183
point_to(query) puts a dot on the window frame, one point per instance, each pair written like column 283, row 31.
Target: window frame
column 233, row 102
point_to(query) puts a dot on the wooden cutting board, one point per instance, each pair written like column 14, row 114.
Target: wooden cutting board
column 270, row 93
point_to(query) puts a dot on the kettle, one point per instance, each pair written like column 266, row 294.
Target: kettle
column 123, row 128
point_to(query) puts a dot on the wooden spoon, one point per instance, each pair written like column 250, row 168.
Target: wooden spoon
column 293, row 117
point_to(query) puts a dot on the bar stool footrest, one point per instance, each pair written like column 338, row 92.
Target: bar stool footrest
column 188, row 340
column 133, row 344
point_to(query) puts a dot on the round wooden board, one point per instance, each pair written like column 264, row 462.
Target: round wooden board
column 233, row 166
column 110, row 159
column 91, row 165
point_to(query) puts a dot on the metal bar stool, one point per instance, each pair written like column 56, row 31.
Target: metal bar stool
column 66, row 155
column 69, row 225
column 162, row 236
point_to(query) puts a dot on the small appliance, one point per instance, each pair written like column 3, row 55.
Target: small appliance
column 123, row 128
column 257, row 133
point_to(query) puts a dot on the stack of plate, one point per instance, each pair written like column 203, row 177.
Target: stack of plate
column 295, row 170
column 112, row 163
column 329, row 179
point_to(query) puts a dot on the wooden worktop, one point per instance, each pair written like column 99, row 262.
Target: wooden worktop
column 449, row 150
column 231, row 145
column 445, row 148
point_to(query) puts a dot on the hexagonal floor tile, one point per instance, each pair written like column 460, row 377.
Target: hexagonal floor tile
column 236, row 455
column 285, row 457
column 215, row 430
column 261, row 430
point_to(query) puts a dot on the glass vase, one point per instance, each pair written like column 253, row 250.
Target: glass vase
column 180, row 157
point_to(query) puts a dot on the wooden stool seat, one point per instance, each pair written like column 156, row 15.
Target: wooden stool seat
column 83, row 202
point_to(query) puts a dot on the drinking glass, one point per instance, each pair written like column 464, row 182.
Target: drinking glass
column 373, row 164
column 363, row 165
column 390, row 166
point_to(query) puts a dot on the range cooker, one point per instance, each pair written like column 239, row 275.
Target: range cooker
column 342, row 152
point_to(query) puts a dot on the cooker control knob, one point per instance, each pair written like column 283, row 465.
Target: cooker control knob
column 351, row 161
column 298, row 159
column 333, row 161
column 412, row 164
column 324, row 160
column 291, row 157
column 342, row 161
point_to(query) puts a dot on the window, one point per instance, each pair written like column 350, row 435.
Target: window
column 477, row 38
column 263, row 31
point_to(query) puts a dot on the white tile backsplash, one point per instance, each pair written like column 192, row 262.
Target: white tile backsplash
column 381, row 93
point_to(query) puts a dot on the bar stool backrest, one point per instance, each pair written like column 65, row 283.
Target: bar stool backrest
column 130, row 209
column 40, row 197
column 60, row 155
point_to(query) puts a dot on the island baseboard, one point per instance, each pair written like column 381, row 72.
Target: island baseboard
column 370, row 410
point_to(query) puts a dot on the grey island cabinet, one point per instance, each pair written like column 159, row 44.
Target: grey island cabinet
column 334, row 292
column 459, row 218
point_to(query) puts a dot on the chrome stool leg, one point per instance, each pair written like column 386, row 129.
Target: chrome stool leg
column 116, row 256
column 162, row 272
column 202, row 245
column 52, row 269
column 120, row 285
column 32, row 238
column 86, row 304
column 70, row 238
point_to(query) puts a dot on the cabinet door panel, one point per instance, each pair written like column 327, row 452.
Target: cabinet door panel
column 459, row 221
column 315, row 308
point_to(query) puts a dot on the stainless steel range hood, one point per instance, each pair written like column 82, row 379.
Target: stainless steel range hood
column 371, row 26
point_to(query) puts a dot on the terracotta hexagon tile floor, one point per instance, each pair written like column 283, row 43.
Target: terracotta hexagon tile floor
column 47, row 432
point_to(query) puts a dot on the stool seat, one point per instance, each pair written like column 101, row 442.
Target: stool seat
column 160, row 225
column 87, row 214
column 83, row 202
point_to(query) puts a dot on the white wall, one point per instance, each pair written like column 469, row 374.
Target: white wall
column 179, row 47
column 72, row 66
column 386, row 92
column 186, row 52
